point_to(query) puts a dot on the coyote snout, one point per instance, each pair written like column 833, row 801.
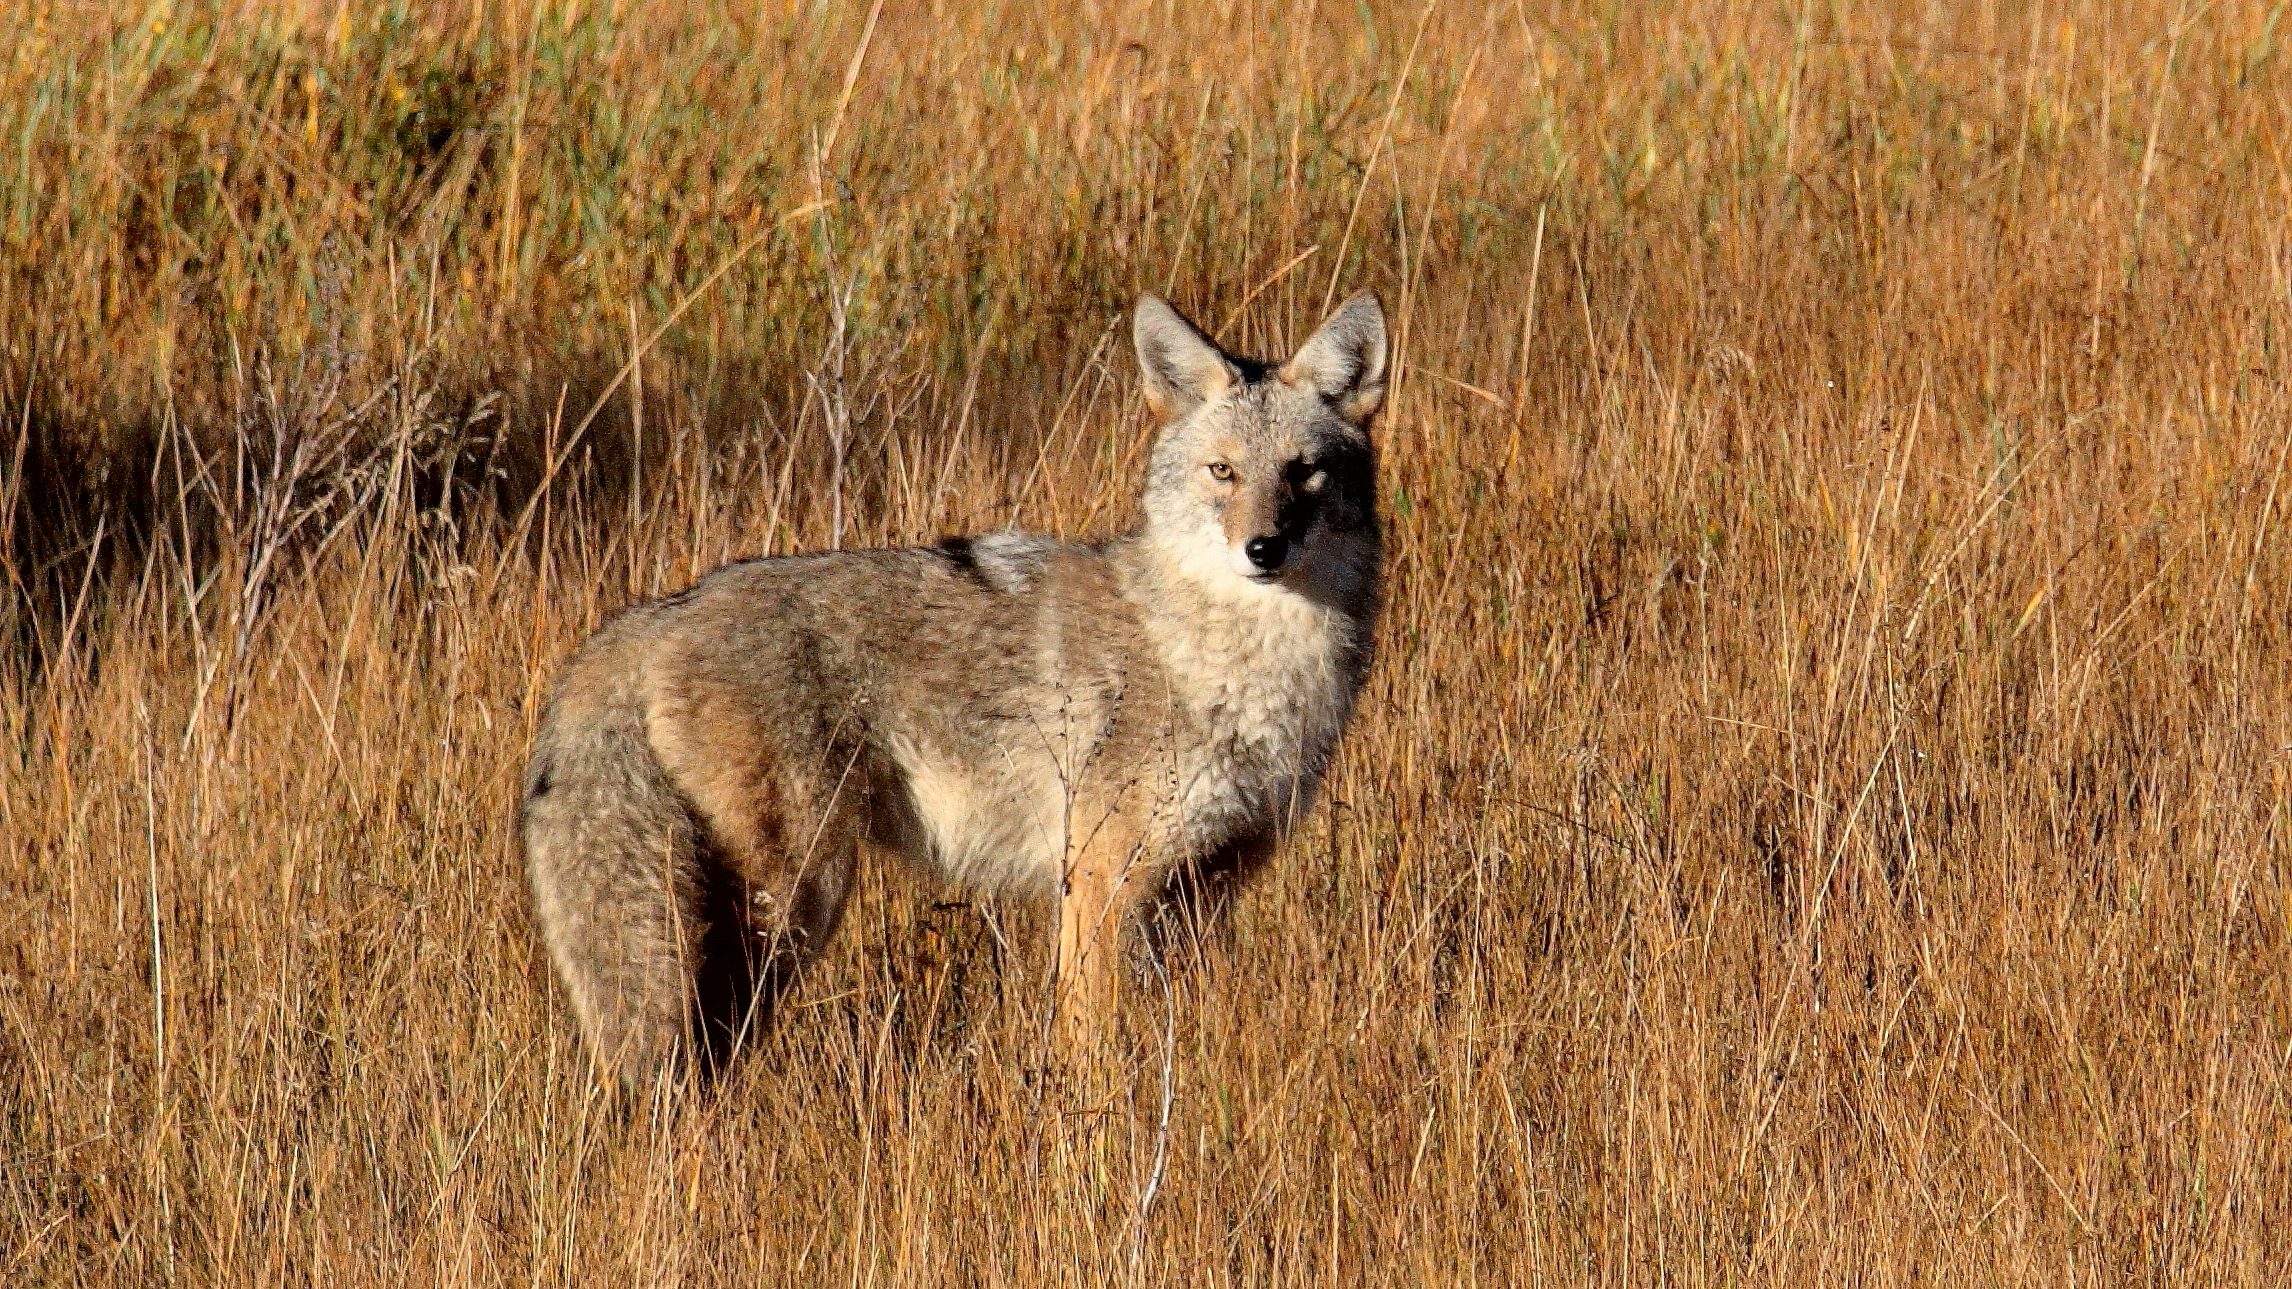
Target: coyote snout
column 1270, row 513
column 1114, row 725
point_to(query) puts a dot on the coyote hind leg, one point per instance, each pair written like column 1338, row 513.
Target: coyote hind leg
column 672, row 944
column 765, row 917
column 775, row 855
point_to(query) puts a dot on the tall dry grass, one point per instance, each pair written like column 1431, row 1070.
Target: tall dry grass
column 1820, row 815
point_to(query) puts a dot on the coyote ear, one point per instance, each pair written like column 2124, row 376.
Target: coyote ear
column 1182, row 368
column 1344, row 361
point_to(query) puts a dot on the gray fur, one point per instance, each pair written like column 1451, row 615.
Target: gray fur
column 1097, row 724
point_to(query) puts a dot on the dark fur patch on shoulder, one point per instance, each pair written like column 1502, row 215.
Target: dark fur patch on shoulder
column 539, row 787
column 957, row 551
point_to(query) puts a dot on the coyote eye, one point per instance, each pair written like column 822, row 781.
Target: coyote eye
column 1221, row 472
column 1303, row 474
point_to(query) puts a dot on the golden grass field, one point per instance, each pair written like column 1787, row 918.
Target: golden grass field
column 1820, row 815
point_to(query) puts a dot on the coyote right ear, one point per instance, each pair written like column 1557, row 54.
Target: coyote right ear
column 1182, row 368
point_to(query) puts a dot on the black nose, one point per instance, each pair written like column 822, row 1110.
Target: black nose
column 1266, row 552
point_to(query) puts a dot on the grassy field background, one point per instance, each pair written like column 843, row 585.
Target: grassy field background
column 1819, row 816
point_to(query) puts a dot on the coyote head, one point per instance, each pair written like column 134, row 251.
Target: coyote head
column 1263, row 475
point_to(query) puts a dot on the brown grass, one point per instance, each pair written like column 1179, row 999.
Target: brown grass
column 1820, row 815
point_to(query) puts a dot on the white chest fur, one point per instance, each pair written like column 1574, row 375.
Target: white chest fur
column 1267, row 680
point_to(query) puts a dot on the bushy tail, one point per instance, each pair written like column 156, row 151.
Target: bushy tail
column 636, row 914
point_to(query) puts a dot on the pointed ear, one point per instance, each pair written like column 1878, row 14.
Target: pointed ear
column 1345, row 360
column 1182, row 368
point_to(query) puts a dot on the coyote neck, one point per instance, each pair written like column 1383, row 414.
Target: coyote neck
column 1265, row 675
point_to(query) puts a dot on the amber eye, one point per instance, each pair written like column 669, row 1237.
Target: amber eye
column 1221, row 472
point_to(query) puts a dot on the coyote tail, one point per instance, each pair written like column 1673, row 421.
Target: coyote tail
column 638, row 916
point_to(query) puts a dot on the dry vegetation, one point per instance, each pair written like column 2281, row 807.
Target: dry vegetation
column 1820, row 815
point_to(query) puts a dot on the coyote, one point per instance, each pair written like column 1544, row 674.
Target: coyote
column 1127, row 726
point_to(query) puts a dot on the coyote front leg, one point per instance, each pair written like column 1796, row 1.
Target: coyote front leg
column 1104, row 882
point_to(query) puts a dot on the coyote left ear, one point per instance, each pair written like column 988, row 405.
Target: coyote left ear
column 1344, row 361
